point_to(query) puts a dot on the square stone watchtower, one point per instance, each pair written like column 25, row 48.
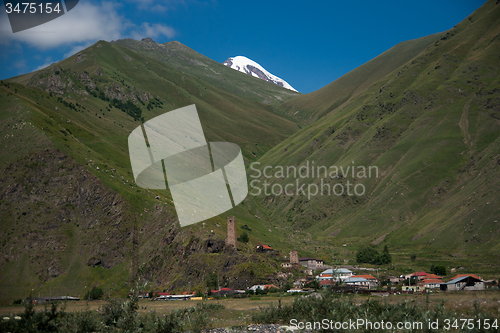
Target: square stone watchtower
column 294, row 258
column 231, row 231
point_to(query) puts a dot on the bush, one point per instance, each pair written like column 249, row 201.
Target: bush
column 366, row 255
column 438, row 270
column 95, row 293
column 370, row 255
column 244, row 237
column 212, row 281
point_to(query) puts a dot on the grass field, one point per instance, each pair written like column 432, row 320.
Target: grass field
column 238, row 312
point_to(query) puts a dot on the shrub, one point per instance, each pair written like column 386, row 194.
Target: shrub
column 244, row 237
column 96, row 293
column 370, row 255
column 438, row 270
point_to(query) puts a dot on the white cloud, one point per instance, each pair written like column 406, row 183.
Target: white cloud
column 159, row 8
column 81, row 27
column 48, row 62
column 20, row 64
column 76, row 49
column 86, row 22
column 153, row 31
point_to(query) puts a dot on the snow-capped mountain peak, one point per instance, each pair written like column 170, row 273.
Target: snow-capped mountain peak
column 250, row 67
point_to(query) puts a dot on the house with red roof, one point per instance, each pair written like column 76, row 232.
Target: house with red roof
column 223, row 292
column 326, row 283
column 264, row 248
column 431, row 281
column 371, row 280
column 419, row 275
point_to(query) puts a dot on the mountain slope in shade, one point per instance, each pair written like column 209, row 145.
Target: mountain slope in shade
column 250, row 67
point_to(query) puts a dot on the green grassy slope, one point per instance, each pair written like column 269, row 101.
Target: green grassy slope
column 187, row 60
column 71, row 213
column 432, row 128
column 315, row 105
column 130, row 74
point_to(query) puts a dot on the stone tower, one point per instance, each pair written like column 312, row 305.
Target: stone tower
column 231, row 231
column 294, row 257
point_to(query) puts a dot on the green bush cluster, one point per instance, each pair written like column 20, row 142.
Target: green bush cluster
column 95, row 293
column 128, row 107
column 370, row 255
column 438, row 270
column 244, row 238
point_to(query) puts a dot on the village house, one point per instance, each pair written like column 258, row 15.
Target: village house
column 431, row 281
column 372, row 281
column 419, row 275
column 342, row 274
column 262, row 287
column 311, row 263
column 338, row 274
column 326, row 283
column 393, row 279
column 326, row 275
column 300, row 282
column 223, row 292
column 358, row 282
column 264, row 248
column 286, row 265
column 463, row 282
column 415, row 289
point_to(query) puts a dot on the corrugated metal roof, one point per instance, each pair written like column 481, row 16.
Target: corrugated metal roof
column 355, row 279
column 461, row 278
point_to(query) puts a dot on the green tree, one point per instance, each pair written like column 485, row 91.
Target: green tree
column 211, row 281
column 96, row 293
column 244, row 237
column 384, row 257
column 367, row 255
column 438, row 270
column 370, row 255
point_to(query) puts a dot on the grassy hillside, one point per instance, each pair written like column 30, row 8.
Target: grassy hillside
column 315, row 105
column 432, row 128
column 425, row 113
column 72, row 216
column 182, row 58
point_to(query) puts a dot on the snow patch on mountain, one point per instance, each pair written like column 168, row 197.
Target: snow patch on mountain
column 250, row 67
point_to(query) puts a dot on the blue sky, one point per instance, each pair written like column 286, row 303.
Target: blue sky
column 308, row 44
